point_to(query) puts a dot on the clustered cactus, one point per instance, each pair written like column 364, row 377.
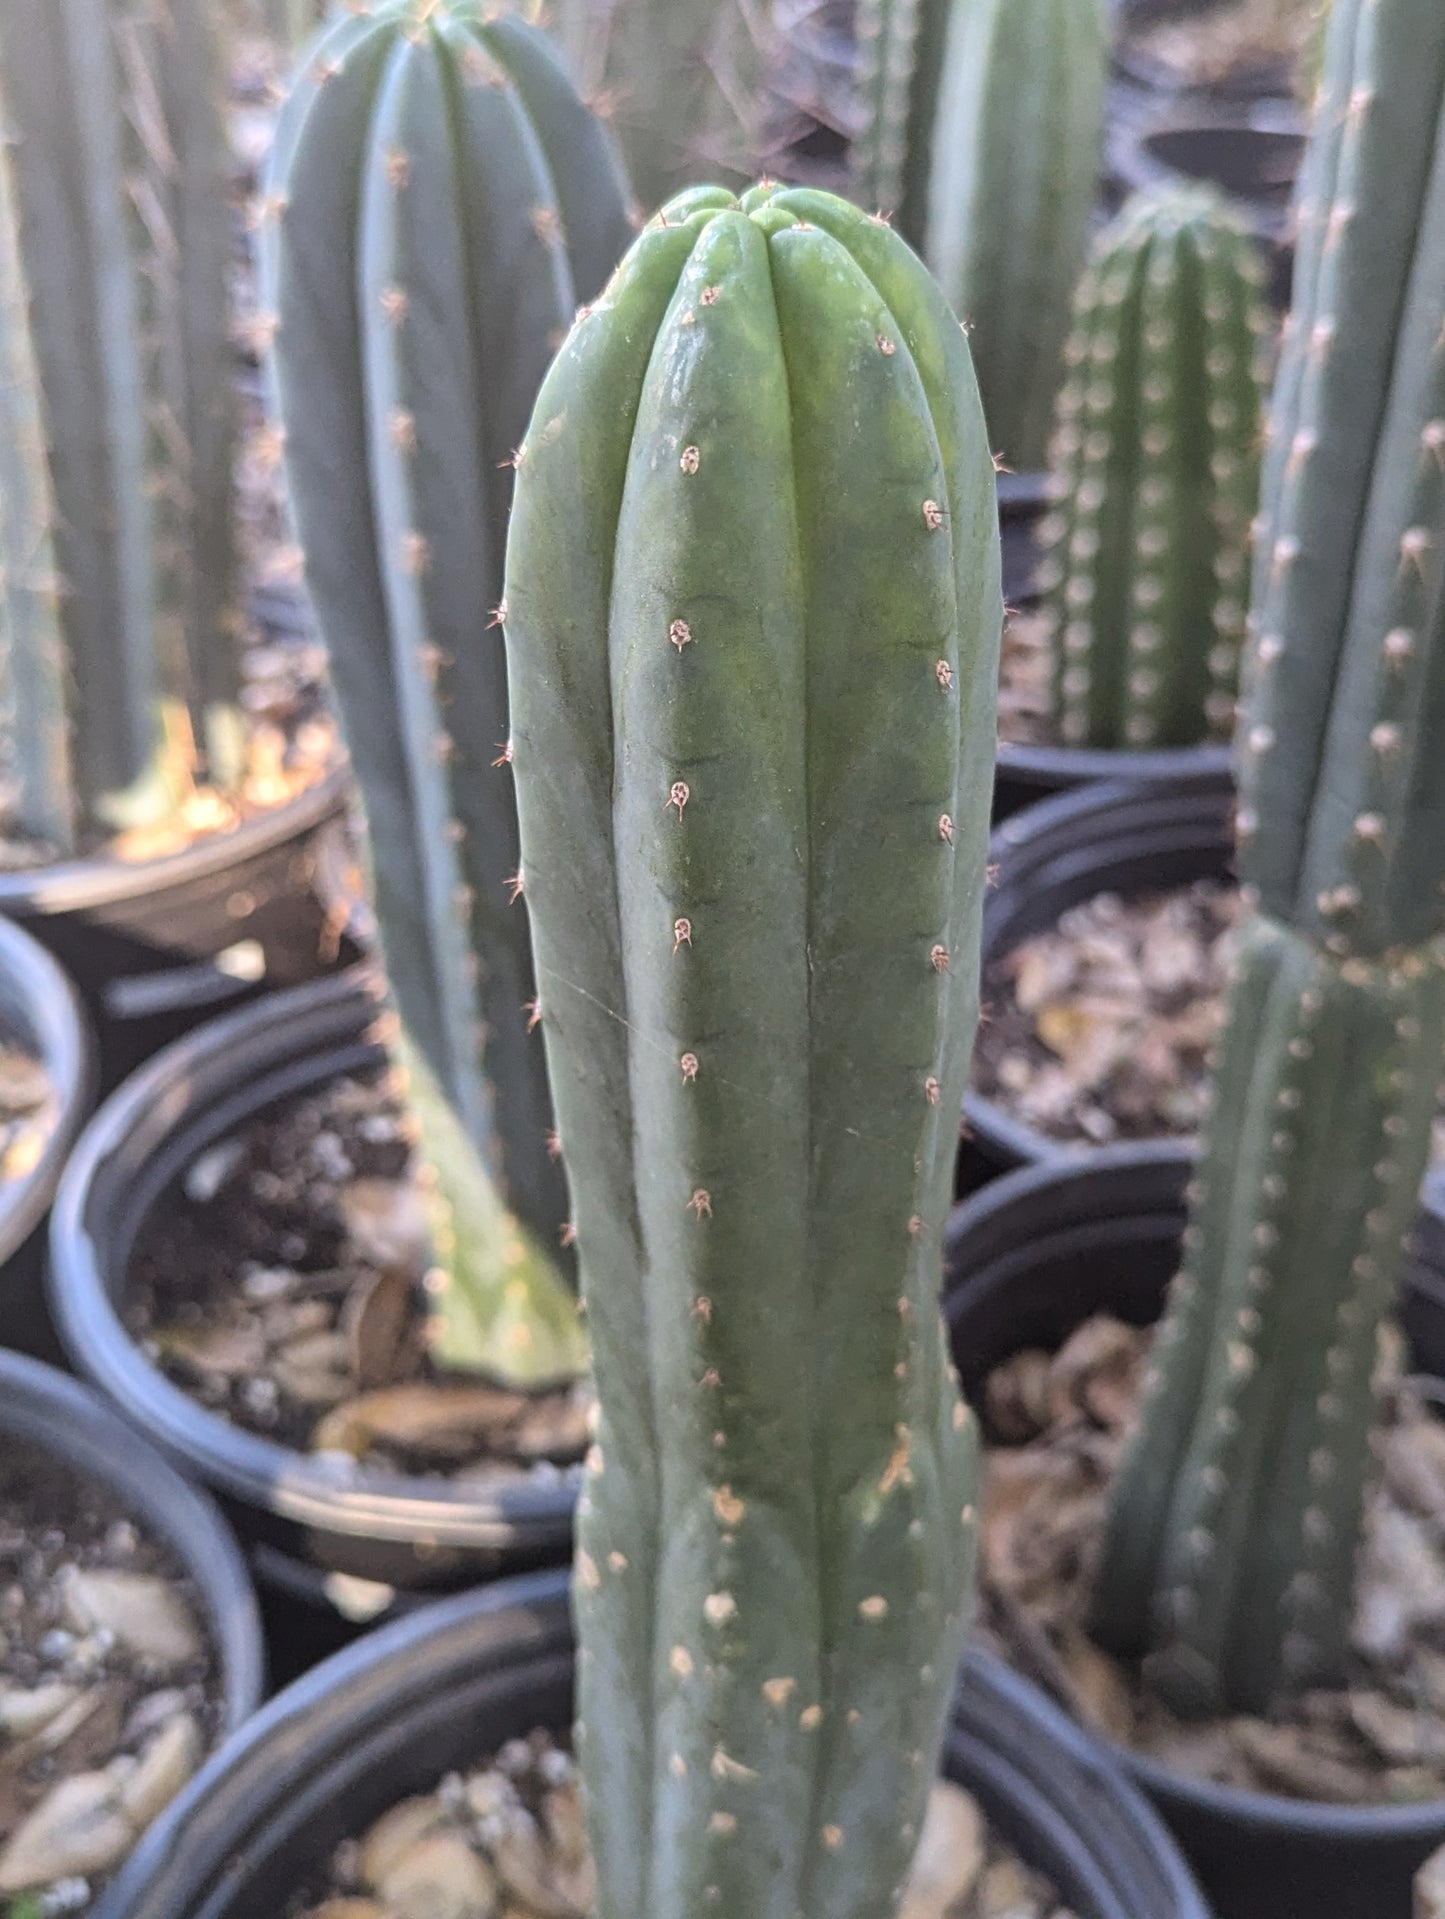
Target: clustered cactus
column 753, row 610
column 1237, row 1519
column 439, row 202
column 1013, row 171
column 1145, row 556
column 980, row 128
column 118, row 631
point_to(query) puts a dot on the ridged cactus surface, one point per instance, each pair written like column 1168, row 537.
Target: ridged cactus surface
column 753, row 616
column 119, row 176
column 899, row 57
column 1237, row 1521
column 1145, row 567
column 34, row 695
column 1013, row 166
column 439, row 202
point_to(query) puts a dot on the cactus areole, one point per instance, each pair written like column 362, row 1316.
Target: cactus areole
column 1237, row 1517
column 753, row 617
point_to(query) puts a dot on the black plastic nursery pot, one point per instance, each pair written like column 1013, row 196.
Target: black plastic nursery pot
column 45, row 1409
column 445, row 1688
column 335, row 1548
column 157, row 945
column 1251, row 153
column 40, row 1011
column 1026, row 1262
column 1112, row 838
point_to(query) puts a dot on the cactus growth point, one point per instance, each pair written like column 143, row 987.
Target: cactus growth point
column 120, row 249
column 1012, row 170
column 1145, row 564
column 1237, row 1519
column 439, row 201
column 753, row 612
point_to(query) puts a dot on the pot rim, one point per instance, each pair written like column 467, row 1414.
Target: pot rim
column 528, row 1619
column 44, row 1408
column 1268, row 1811
column 224, row 1073
column 94, row 880
column 49, row 1016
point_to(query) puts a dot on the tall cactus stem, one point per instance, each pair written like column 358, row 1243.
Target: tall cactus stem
column 752, row 635
column 1013, row 163
column 1236, row 1524
column 439, row 202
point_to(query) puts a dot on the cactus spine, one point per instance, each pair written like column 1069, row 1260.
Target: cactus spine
column 1237, row 1518
column 438, row 203
column 752, row 638
column 1156, row 472
column 120, row 247
column 1013, row 164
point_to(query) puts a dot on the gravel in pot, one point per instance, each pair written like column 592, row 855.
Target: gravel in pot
column 1104, row 955
column 129, row 1640
column 236, row 1259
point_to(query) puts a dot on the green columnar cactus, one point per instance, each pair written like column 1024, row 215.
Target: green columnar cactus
column 119, row 181
column 1156, row 470
column 34, row 716
column 899, row 60
column 681, row 80
column 1013, row 169
column 438, row 203
column 1237, row 1519
column 753, row 614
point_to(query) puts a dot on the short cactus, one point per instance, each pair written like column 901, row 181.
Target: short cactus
column 120, row 672
column 439, row 202
column 1013, row 165
column 1237, row 1519
column 1145, row 561
column 752, row 667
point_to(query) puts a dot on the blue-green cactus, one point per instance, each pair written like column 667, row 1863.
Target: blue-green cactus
column 438, row 204
column 1237, row 1519
column 121, row 684
column 1013, row 168
column 1145, row 562
column 753, row 612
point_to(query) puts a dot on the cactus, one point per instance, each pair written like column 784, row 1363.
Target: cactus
column 118, row 175
column 753, row 610
column 1237, row 1518
column 900, row 55
column 439, row 200
column 682, row 80
column 1146, row 554
column 1013, row 166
